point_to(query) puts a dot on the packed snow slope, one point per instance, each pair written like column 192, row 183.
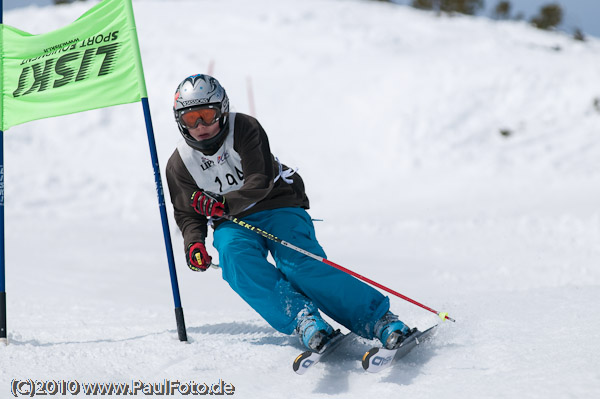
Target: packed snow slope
column 394, row 118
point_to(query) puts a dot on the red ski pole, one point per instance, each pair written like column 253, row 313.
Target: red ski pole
column 442, row 315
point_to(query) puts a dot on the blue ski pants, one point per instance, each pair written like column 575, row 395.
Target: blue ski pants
column 297, row 282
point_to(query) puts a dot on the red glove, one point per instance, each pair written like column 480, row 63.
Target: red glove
column 197, row 258
column 208, row 204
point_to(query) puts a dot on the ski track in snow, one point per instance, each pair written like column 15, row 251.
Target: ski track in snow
column 376, row 104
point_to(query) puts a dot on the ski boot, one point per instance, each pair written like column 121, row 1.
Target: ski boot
column 391, row 331
column 314, row 332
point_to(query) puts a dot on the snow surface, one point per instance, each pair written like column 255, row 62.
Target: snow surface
column 393, row 117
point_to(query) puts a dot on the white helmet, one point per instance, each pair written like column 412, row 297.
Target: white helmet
column 197, row 92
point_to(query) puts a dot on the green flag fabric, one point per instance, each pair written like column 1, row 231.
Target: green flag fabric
column 92, row 63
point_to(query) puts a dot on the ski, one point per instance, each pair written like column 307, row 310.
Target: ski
column 377, row 358
column 309, row 358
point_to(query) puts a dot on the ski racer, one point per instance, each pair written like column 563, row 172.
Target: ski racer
column 224, row 165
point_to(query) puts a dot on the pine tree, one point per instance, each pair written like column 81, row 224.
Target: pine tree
column 550, row 16
column 578, row 35
column 65, row 1
column 423, row 4
column 502, row 10
column 469, row 7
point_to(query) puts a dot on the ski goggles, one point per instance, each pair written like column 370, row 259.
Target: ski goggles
column 206, row 116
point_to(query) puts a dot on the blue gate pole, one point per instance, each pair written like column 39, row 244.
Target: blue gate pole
column 2, row 245
column 165, row 222
column 3, row 337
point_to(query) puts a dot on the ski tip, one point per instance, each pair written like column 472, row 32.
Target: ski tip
column 298, row 360
column 298, row 365
column 366, row 360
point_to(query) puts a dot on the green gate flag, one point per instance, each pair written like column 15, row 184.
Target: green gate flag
column 93, row 63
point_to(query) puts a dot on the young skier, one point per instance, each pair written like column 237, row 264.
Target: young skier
column 227, row 156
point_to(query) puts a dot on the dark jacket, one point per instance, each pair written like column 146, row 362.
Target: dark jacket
column 258, row 191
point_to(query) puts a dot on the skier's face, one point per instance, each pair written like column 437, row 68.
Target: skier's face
column 202, row 132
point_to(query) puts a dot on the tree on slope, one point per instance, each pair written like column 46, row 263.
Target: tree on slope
column 502, row 10
column 469, row 7
column 549, row 17
column 65, row 1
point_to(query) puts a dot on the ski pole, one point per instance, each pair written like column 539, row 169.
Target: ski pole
column 442, row 315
